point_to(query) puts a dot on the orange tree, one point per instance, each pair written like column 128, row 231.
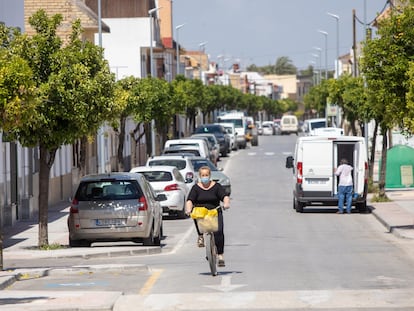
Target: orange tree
column 73, row 88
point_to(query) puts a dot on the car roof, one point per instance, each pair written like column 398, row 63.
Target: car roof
column 167, row 168
column 113, row 175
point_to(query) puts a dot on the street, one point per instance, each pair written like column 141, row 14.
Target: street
column 275, row 258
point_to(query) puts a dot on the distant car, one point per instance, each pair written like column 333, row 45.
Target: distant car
column 115, row 207
column 181, row 162
column 267, row 128
column 214, row 146
column 177, row 150
column 216, row 174
column 231, row 130
column 200, row 144
column 221, row 135
column 169, row 181
column 259, row 127
column 276, row 125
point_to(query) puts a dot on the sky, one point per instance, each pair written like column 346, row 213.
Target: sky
column 260, row 31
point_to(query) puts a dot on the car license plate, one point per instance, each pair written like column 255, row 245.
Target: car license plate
column 317, row 181
column 110, row 222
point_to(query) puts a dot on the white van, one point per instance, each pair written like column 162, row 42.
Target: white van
column 314, row 163
column 240, row 123
column 288, row 125
column 200, row 144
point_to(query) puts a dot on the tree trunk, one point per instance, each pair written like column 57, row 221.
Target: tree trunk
column 47, row 157
column 372, row 156
column 381, row 184
column 83, row 156
column 121, row 139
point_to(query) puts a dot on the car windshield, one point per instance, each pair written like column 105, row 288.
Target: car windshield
column 197, row 163
column 180, row 164
column 316, row 125
column 108, row 190
column 157, row 176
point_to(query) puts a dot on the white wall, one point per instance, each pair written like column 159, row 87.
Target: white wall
column 122, row 45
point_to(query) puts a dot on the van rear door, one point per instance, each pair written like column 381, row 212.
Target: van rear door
column 318, row 167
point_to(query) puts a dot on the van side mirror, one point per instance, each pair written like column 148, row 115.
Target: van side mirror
column 289, row 162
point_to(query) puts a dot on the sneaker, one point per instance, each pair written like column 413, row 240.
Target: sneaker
column 221, row 262
column 200, row 241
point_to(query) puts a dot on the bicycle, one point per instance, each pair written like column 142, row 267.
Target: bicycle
column 207, row 221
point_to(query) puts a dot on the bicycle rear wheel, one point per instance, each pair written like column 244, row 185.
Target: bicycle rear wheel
column 211, row 253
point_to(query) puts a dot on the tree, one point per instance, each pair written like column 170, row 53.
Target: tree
column 284, row 66
column 386, row 68
column 74, row 96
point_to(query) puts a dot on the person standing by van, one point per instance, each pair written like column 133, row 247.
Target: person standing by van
column 345, row 186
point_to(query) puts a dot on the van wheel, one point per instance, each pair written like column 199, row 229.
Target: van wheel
column 298, row 206
column 361, row 207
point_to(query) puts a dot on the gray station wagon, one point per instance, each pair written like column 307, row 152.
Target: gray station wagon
column 115, row 207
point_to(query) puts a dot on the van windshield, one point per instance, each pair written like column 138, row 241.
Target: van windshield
column 236, row 122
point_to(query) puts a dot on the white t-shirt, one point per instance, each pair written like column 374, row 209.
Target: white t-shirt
column 344, row 171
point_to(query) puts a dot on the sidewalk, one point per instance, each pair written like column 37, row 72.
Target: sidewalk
column 21, row 242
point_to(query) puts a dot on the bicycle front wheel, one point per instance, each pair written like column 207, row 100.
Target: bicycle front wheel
column 211, row 254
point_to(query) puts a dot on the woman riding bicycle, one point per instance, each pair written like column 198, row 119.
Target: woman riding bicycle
column 209, row 194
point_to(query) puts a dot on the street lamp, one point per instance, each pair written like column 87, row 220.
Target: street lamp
column 150, row 13
column 320, row 62
column 337, row 42
column 177, row 46
column 326, row 52
column 202, row 45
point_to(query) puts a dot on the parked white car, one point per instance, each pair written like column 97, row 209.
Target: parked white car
column 231, row 130
column 169, row 181
column 267, row 128
column 181, row 162
column 199, row 144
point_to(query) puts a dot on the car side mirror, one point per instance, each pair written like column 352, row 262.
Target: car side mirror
column 289, row 162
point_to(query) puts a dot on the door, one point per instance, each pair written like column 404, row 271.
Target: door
column 318, row 166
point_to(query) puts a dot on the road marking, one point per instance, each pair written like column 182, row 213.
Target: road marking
column 225, row 284
column 150, row 282
column 384, row 299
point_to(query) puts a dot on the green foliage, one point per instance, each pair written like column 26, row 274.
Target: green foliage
column 282, row 66
column 386, row 67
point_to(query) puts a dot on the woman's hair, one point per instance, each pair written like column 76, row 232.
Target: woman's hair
column 206, row 168
column 344, row 161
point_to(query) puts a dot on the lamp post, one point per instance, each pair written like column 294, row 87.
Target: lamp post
column 318, row 76
column 320, row 62
column 177, row 28
column 150, row 13
column 101, row 131
column 202, row 46
column 326, row 52
column 337, row 42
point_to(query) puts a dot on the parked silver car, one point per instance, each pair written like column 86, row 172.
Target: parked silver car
column 115, row 207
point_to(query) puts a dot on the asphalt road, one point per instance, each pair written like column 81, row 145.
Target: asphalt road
column 275, row 258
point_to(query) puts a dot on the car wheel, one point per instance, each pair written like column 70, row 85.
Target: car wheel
column 79, row 243
column 157, row 239
column 149, row 241
column 181, row 214
column 224, row 153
